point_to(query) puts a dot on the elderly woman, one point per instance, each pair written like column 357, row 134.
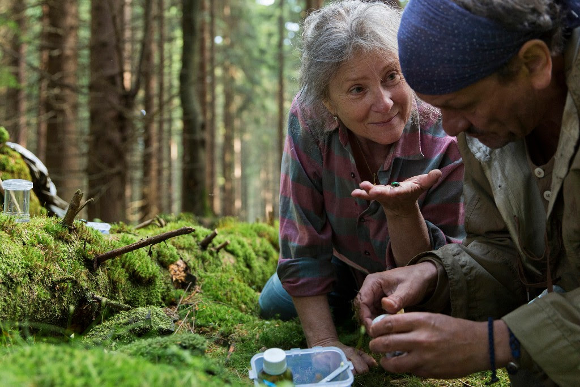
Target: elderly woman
column 355, row 131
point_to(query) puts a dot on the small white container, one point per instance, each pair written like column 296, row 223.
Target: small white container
column 312, row 365
column 100, row 226
column 17, row 199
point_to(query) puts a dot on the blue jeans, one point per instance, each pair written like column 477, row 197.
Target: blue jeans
column 275, row 302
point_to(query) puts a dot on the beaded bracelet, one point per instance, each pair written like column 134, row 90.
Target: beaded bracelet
column 493, row 377
column 513, row 367
column 514, row 345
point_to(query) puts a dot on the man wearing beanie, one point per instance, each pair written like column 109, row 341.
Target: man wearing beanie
column 506, row 76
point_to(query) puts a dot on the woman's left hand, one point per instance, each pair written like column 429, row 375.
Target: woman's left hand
column 398, row 199
column 360, row 360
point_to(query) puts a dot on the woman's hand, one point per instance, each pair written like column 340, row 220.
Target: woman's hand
column 408, row 231
column 398, row 200
column 319, row 329
column 361, row 360
column 436, row 345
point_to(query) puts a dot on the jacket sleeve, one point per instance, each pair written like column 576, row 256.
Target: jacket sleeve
column 549, row 333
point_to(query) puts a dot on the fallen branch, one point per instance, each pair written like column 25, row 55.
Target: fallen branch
column 144, row 224
column 207, row 240
column 220, row 246
column 99, row 259
column 74, row 208
column 113, row 304
column 160, row 222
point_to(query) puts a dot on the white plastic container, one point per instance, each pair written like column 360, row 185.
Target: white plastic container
column 100, row 226
column 310, row 366
column 17, row 199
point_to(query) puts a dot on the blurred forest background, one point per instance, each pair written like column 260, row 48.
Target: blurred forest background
column 154, row 106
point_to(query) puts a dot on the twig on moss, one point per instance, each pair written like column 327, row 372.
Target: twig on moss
column 99, row 259
column 113, row 304
column 207, row 240
column 159, row 221
column 74, row 208
column 183, row 295
column 182, row 321
column 220, row 246
column 144, row 224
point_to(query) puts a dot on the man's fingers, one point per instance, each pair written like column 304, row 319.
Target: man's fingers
column 393, row 303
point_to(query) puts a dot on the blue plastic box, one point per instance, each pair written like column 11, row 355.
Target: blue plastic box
column 310, row 366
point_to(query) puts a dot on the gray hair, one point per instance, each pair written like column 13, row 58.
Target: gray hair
column 336, row 33
column 543, row 16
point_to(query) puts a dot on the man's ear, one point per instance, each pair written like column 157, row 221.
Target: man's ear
column 537, row 60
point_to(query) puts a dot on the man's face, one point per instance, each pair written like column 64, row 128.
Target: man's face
column 493, row 111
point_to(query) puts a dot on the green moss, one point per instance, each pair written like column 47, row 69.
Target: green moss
column 165, row 254
column 47, row 284
column 227, row 289
column 65, row 365
column 220, row 319
column 126, row 327
column 4, row 136
column 175, row 349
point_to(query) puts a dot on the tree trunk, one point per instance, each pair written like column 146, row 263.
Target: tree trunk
column 194, row 190
column 312, row 5
column 211, row 126
column 15, row 96
column 41, row 127
column 228, row 197
column 150, row 186
column 164, row 173
column 204, row 84
column 63, row 158
column 109, row 132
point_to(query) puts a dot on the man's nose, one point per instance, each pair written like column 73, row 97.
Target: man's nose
column 454, row 123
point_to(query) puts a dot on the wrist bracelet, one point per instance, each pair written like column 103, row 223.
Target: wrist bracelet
column 513, row 367
column 493, row 377
column 514, row 345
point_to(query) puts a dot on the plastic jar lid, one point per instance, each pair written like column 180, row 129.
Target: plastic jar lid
column 274, row 361
column 17, row 185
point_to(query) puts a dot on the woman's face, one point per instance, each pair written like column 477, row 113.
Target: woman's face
column 370, row 97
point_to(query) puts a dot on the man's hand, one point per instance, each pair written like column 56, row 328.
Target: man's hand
column 436, row 345
column 394, row 290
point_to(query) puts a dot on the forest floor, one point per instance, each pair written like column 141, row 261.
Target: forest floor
column 183, row 312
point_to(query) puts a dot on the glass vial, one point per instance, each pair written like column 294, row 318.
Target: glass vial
column 275, row 369
column 17, row 199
